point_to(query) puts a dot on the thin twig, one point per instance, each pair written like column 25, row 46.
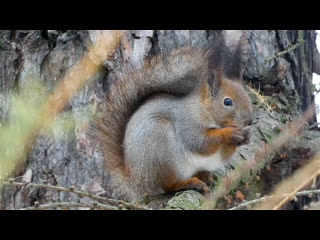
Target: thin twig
column 113, row 202
column 279, row 54
column 245, row 204
column 65, row 205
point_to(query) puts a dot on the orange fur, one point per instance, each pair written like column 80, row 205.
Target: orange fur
column 191, row 183
column 224, row 134
column 227, row 150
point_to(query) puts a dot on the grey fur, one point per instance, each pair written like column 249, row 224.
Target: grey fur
column 151, row 145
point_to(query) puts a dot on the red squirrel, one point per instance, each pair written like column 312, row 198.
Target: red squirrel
column 166, row 126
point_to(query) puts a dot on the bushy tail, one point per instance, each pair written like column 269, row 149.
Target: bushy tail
column 178, row 73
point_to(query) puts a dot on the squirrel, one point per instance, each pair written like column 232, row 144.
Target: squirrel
column 166, row 126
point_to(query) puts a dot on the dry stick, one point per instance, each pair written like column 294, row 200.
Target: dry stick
column 118, row 203
column 245, row 204
column 71, row 204
column 290, row 196
column 221, row 190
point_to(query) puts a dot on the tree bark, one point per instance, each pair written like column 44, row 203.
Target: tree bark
column 64, row 159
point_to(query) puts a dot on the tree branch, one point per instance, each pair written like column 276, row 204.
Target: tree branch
column 118, row 203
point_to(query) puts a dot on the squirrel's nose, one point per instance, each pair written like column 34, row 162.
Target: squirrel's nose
column 248, row 122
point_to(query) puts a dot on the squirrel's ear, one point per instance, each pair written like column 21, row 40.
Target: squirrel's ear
column 215, row 80
column 216, row 53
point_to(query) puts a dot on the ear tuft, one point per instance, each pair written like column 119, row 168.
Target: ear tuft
column 216, row 50
column 225, row 54
column 232, row 66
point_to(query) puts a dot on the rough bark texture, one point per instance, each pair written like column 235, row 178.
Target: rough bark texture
column 63, row 158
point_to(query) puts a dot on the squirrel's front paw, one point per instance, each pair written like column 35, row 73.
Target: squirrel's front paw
column 239, row 136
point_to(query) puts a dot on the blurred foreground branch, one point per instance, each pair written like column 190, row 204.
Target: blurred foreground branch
column 303, row 178
column 42, row 116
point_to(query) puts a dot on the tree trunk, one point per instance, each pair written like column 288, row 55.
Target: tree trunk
column 63, row 158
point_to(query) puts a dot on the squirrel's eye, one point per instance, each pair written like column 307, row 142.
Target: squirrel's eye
column 227, row 102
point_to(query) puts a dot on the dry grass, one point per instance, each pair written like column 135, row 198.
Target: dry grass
column 261, row 101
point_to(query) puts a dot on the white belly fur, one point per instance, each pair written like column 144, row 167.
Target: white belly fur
column 196, row 162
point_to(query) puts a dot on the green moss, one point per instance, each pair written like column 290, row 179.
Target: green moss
column 186, row 200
